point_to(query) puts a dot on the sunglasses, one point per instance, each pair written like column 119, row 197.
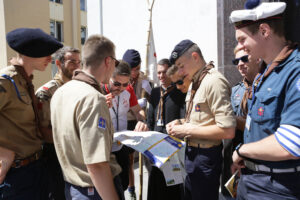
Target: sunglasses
column 243, row 59
column 179, row 82
column 116, row 61
column 118, row 84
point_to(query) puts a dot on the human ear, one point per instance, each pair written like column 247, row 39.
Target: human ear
column 264, row 29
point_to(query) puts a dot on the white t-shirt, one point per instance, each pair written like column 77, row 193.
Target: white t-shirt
column 118, row 112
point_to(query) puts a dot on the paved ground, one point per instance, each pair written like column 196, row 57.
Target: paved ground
column 137, row 182
column 145, row 183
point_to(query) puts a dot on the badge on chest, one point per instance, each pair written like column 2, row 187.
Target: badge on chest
column 197, row 107
column 159, row 122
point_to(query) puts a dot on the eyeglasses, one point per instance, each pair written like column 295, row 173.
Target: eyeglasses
column 243, row 59
column 74, row 62
column 118, row 84
column 116, row 61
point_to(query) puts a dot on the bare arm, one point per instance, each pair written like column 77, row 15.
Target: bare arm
column 212, row 132
column 138, row 112
column 6, row 159
column 264, row 150
column 102, row 178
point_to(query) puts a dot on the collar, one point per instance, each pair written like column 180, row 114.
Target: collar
column 199, row 72
column 288, row 53
column 87, row 78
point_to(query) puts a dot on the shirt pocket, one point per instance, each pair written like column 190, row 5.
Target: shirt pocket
column 265, row 108
column 25, row 98
column 200, row 110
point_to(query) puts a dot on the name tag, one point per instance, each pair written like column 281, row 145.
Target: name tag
column 248, row 121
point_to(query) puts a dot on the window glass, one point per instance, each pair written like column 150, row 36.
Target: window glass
column 52, row 28
column 56, row 1
column 83, row 34
column 82, row 5
column 56, row 30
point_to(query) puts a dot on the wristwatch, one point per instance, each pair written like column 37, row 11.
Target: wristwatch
column 237, row 148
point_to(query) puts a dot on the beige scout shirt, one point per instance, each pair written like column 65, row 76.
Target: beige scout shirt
column 211, row 104
column 44, row 95
column 18, row 130
column 82, row 131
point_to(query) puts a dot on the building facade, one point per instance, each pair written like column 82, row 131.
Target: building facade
column 64, row 19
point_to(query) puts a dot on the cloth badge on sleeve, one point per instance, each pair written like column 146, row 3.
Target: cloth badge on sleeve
column 197, row 108
column 298, row 84
column 261, row 111
column 102, row 123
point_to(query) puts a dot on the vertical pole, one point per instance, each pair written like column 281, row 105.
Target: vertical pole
column 141, row 176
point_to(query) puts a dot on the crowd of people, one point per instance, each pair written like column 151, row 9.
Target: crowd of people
column 57, row 143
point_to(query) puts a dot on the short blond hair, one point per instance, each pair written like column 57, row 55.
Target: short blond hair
column 95, row 49
column 172, row 70
column 237, row 49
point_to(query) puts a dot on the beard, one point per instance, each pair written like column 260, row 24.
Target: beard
column 67, row 73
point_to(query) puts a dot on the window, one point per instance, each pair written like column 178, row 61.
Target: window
column 56, row 30
column 83, row 34
column 83, row 5
column 56, row 1
column 53, row 67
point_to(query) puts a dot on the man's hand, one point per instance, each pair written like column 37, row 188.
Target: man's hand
column 109, row 98
column 6, row 159
column 176, row 129
column 238, row 162
column 141, row 126
column 173, row 123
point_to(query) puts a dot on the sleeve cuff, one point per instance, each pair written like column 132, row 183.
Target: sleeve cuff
column 288, row 137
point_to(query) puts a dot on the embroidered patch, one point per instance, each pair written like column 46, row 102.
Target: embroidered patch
column 102, row 123
column 45, row 88
column 197, row 108
column 298, row 84
column 261, row 111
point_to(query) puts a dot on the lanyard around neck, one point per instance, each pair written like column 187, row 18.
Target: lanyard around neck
column 117, row 113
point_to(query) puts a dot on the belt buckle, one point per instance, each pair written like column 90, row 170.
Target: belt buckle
column 250, row 165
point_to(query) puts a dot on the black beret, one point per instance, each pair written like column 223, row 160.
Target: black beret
column 33, row 43
column 132, row 57
column 179, row 49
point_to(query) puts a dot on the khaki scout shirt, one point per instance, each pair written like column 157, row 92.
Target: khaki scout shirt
column 82, row 131
column 44, row 95
column 211, row 104
column 18, row 131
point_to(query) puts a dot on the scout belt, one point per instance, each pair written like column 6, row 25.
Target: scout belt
column 199, row 145
column 263, row 168
column 23, row 162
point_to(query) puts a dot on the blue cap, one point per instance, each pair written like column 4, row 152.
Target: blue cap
column 179, row 49
column 132, row 57
column 33, row 43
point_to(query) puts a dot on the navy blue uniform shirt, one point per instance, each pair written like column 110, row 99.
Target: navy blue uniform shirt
column 276, row 104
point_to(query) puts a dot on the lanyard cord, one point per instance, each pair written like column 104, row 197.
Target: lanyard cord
column 117, row 113
column 255, row 88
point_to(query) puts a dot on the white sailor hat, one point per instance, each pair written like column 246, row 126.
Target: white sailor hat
column 252, row 14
